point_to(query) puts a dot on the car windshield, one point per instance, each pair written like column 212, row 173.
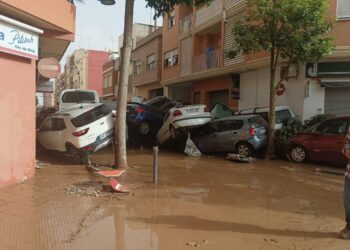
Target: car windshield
column 78, row 96
column 282, row 116
column 91, row 116
column 311, row 129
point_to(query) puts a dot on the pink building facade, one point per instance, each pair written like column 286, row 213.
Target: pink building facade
column 54, row 27
column 96, row 59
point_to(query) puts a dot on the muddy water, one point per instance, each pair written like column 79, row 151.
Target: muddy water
column 206, row 203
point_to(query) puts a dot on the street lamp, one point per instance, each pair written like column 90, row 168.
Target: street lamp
column 107, row 2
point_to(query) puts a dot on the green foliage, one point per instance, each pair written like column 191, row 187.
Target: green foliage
column 315, row 120
column 167, row 6
column 293, row 127
column 292, row 29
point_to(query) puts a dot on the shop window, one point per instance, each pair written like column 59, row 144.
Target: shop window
column 343, row 9
column 171, row 19
column 171, row 58
column 151, row 62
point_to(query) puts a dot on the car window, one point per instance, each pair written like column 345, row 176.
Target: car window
column 283, row 116
column 206, row 129
column 333, row 127
column 91, row 116
column 78, row 96
column 224, row 126
column 256, row 122
column 53, row 124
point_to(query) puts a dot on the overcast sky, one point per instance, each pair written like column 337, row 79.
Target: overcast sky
column 98, row 26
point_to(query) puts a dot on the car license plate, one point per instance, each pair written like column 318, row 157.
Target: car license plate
column 106, row 134
column 193, row 110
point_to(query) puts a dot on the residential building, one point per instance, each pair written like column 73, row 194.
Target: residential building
column 110, row 77
column 147, row 61
column 139, row 32
column 83, row 70
column 196, row 70
column 48, row 28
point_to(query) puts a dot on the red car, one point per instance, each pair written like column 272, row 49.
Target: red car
column 323, row 142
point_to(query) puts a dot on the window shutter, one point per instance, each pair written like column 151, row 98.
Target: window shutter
column 343, row 9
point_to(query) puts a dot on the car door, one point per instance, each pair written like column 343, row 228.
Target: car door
column 50, row 134
column 205, row 137
column 229, row 133
column 328, row 142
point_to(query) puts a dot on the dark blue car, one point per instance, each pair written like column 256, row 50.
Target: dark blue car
column 147, row 117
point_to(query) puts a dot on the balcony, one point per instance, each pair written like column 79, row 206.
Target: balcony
column 145, row 77
column 208, row 13
column 186, row 24
column 207, row 61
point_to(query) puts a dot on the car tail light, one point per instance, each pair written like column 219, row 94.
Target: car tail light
column 206, row 109
column 81, row 132
column 139, row 110
column 252, row 131
column 177, row 113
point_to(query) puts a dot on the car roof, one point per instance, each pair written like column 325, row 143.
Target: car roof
column 236, row 117
column 265, row 108
column 76, row 110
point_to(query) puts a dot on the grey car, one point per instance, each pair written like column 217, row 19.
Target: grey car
column 244, row 134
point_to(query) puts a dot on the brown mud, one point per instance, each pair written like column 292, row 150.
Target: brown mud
column 205, row 203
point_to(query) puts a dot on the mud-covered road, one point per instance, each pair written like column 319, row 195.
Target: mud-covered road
column 205, row 203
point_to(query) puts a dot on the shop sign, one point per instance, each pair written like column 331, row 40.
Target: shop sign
column 18, row 41
column 328, row 69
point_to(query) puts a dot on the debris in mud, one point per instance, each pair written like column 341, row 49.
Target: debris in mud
column 197, row 243
column 191, row 148
column 40, row 164
column 330, row 171
column 240, row 158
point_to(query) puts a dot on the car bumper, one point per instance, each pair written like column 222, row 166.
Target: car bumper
column 98, row 144
column 191, row 122
column 258, row 142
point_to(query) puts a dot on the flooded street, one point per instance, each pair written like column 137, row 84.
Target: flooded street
column 206, row 203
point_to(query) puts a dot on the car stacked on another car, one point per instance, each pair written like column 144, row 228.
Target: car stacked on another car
column 78, row 130
column 323, row 142
column 181, row 118
column 244, row 134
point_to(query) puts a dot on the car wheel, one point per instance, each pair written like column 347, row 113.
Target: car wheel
column 172, row 132
column 75, row 155
column 244, row 149
column 298, row 154
column 144, row 128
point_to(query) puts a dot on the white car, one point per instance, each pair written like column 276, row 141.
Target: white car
column 184, row 117
column 79, row 130
column 71, row 97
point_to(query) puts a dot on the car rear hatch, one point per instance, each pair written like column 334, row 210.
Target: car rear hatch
column 94, row 127
column 257, row 126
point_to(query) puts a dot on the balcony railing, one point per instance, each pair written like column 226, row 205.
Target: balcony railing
column 206, row 13
column 209, row 60
column 145, row 77
column 186, row 24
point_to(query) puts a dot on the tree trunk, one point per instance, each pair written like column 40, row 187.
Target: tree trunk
column 120, row 149
column 272, row 114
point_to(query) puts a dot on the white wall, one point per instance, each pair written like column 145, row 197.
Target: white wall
column 314, row 103
column 255, row 92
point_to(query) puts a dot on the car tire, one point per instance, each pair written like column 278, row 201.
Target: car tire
column 298, row 154
column 172, row 132
column 74, row 153
column 244, row 149
column 144, row 128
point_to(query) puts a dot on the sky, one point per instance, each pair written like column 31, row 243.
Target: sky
column 98, row 26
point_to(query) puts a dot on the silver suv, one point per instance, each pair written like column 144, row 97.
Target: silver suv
column 244, row 134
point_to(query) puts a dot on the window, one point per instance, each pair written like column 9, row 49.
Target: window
column 151, row 62
column 109, row 82
column 333, row 127
column 283, row 116
column 171, row 58
column 53, row 124
column 77, row 97
column 91, row 116
column 138, row 69
column 171, row 19
column 105, row 79
column 343, row 9
column 224, row 126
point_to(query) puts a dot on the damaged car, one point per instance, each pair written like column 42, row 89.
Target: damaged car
column 79, row 130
